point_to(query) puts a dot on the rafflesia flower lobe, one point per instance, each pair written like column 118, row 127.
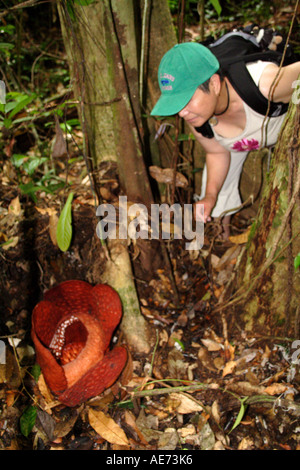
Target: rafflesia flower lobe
column 71, row 330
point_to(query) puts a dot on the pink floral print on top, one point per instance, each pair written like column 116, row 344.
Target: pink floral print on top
column 245, row 144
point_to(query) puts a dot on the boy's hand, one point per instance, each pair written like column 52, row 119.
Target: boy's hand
column 209, row 203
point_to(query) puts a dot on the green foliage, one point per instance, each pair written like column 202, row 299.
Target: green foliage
column 217, row 6
column 84, row 3
column 27, row 420
column 24, row 110
column 15, row 103
column 69, row 125
column 30, row 164
column 191, row 8
column 6, row 31
column 36, row 372
column 72, row 3
column 179, row 344
column 241, row 413
column 45, row 180
column 243, row 11
column 32, row 188
column 64, row 226
column 20, row 110
column 297, row 261
column 247, row 10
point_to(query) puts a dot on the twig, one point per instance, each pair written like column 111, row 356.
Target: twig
column 251, row 400
column 166, row 256
column 28, row 3
column 142, row 64
column 153, row 355
column 292, row 156
column 276, row 79
column 175, row 160
column 166, row 390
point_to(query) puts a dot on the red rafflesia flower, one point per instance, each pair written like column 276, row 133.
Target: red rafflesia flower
column 71, row 330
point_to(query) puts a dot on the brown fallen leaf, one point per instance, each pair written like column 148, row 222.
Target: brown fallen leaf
column 176, row 365
column 10, row 397
column 229, row 368
column 107, row 194
column 60, row 145
column 205, row 359
column 64, row 426
column 49, row 401
column 229, row 351
column 53, row 221
column 175, row 337
column 245, row 388
column 276, row 389
column 46, row 210
column 216, row 411
column 182, row 319
column 188, row 430
column 166, row 175
column 228, row 258
column 246, row 443
column 10, row 243
column 186, row 404
column 131, row 421
column 15, row 206
column 107, row 428
column 240, row 239
column 211, row 345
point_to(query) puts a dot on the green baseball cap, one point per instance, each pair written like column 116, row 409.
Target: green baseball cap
column 182, row 69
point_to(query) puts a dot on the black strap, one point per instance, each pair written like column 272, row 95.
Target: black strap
column 266, row 56
column 250, row 93
column 205, row 130
column 236, row 71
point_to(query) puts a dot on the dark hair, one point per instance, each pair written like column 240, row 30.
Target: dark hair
column 205, row 85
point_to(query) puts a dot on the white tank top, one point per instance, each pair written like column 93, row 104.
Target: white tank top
column 252, row 137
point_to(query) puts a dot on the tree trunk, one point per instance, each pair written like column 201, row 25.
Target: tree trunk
column 268, row 286
column 104, row 44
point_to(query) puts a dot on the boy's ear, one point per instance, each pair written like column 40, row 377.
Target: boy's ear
column 215, row 83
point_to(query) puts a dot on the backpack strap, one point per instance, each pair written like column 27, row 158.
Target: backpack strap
column 234, row 50
column 250, row 93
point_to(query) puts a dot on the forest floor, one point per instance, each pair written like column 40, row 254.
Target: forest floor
column 245, row 380
column 206, row 383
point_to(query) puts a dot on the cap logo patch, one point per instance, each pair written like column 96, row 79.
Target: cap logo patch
column 166, row 81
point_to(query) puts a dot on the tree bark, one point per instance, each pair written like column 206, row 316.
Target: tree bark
column 104, row 46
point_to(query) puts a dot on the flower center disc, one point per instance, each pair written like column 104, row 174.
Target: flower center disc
column 64, row 350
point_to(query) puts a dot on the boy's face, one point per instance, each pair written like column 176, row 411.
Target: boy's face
column 201, row 106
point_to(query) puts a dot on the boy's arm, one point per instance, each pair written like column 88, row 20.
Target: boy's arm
column 217, row 165
column 283, row 89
